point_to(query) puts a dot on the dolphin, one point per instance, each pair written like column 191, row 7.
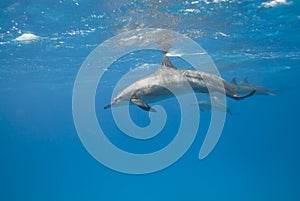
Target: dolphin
column 244, row 86
column 154, row 86
column 206, row 105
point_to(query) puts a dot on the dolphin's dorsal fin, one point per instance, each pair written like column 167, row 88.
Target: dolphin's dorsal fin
column 166, row 63
column 245, row 80
column 233, row 81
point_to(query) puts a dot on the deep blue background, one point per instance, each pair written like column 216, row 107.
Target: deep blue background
column 42, row 158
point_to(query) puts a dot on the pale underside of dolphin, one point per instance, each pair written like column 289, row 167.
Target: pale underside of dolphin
column 244, row 86
column 155, row 86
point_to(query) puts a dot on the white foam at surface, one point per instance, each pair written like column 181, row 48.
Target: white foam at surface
column 27, row 37
column 195, row 2
column 189, row 10
column 222, row 34
column 274, row 3
column 218, row 1
column 174, row 53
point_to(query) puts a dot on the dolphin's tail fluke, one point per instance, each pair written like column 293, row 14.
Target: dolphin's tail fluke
column 237, row 97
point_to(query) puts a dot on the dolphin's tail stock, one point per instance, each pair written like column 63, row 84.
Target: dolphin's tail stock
column 238, row 97
column 233, row 94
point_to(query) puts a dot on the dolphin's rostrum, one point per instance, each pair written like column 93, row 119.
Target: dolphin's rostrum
column 154, row 87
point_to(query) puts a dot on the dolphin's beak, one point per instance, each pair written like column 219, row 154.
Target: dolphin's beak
column 114, row 102
column 107, row 106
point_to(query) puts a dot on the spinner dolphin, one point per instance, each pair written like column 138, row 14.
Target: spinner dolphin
column 155, row 86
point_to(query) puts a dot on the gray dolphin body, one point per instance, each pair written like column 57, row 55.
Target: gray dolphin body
column 154, row 87
column 244, row 87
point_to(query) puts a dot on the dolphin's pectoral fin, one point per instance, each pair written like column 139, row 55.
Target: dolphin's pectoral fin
column 237, row 97
column 138, row 102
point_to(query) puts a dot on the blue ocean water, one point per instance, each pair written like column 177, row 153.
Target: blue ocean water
column 42, row 47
